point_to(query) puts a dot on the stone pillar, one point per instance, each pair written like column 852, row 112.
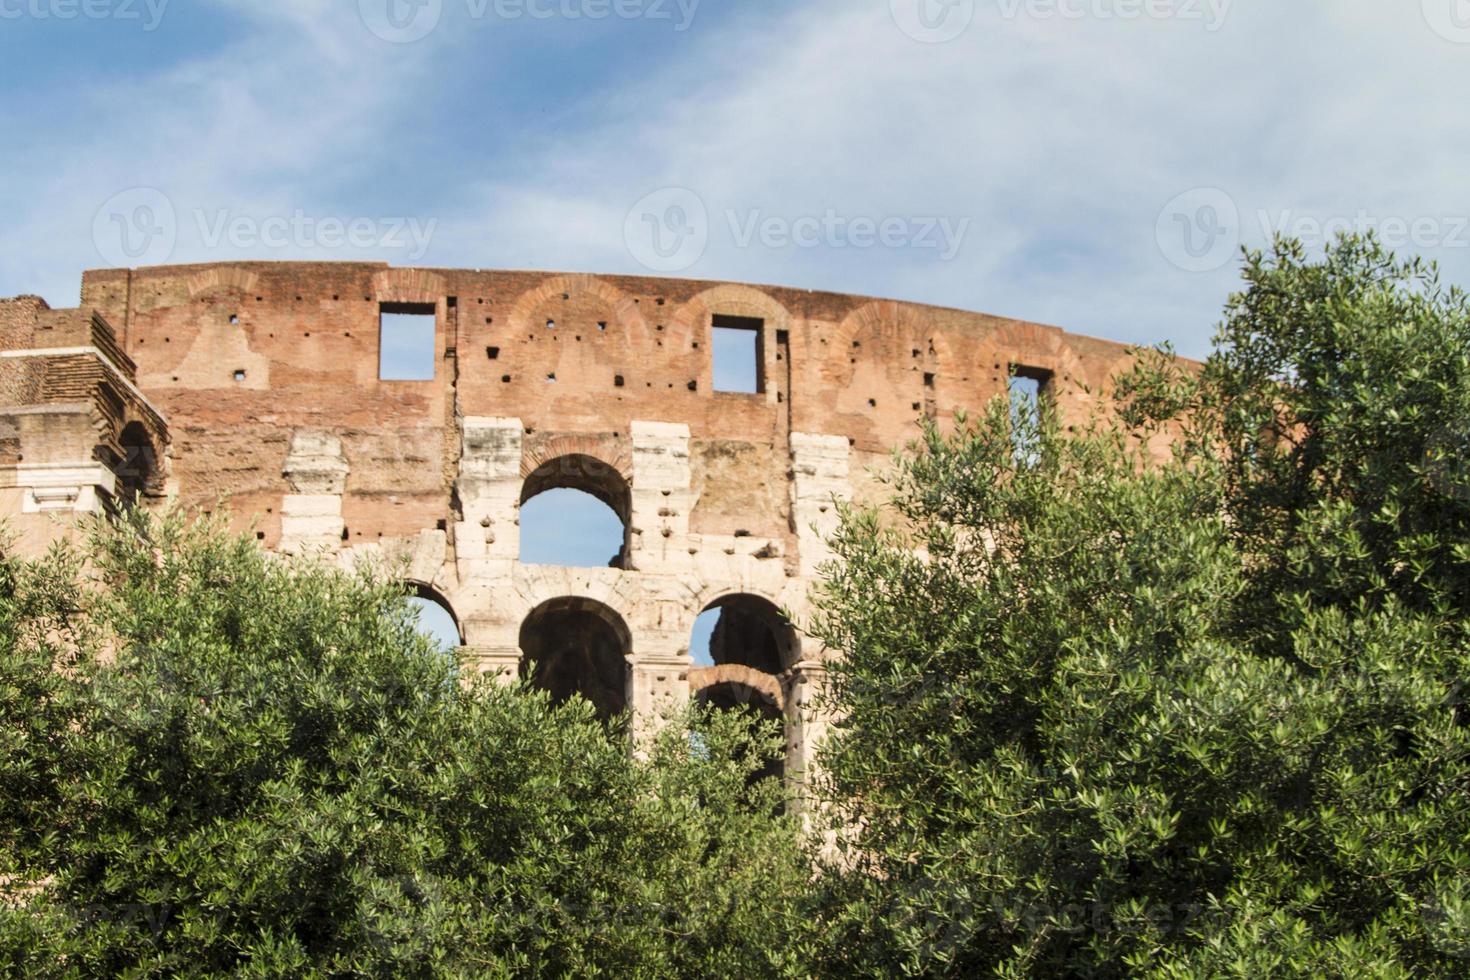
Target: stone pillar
column 311, row 514
column 488, row 537
column 821, row 468
column 662, row 497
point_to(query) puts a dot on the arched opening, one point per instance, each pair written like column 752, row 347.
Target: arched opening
column 742, row 647
column 746, row 630
column 436, row 619
column 756, row 704
column 137, row 472
column 572, row 647
column 574, row 512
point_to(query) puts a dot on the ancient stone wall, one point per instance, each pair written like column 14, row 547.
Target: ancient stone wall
column 258, row 388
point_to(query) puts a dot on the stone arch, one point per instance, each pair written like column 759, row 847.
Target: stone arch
column 139, row 464
column 540, row 453
column 757, row 685
column 572, row 645
column 1035, row 348
column 692, row 319
column 624, row 308
column 753, row 632
column 427, row 592
column 222, row 279
column 588, row 475
column 409, row 286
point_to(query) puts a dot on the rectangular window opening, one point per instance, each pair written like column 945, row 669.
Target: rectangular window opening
column 406, row 341
column 1028, row 387
column 738, row 353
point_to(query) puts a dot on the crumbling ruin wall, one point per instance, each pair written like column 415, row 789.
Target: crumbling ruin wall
column 257, row 387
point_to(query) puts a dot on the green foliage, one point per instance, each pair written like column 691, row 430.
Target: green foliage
column 276, row 774
column 1101, row 717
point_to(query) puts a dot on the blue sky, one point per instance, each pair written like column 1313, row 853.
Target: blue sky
column 1093, row 169
column 1075, row 162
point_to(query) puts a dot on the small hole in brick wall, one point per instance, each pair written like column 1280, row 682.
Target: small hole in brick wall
column 601, row 324
column 239, row 375
column 260, row 299
column 856, row 344
column 872, row 403
column 660, row 328
column 481, row 301
column 260, row 535
column 442, row 524
column 336, row 298
column 452, row 302
column 298, row 299
column 234, row 319
column 918, row 406
column 489, row 319
column 928, row 381
column 916, row 352
column 565, row 297
column 660, row 301
column 551, row 379
column 550, row 324
column 493, row 353
column 696, row 345
column 505, row 379
column 345, row 534
column 694, row 386
column 176, row 377
column 165, row 340
column 617, row 381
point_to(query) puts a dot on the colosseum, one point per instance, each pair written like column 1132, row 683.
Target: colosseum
column 258, row 387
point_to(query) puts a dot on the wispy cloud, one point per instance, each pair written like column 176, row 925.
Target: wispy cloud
column 1058, row 140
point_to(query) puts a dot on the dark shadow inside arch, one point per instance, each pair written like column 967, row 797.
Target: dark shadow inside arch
column 755, row 705
column 137, row 471
column 574, row 647
column 575, row 511
column 746, row 630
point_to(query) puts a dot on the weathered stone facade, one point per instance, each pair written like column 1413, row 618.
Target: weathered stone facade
column 256, row 387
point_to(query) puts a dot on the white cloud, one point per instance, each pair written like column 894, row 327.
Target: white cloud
column 1060, row 140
